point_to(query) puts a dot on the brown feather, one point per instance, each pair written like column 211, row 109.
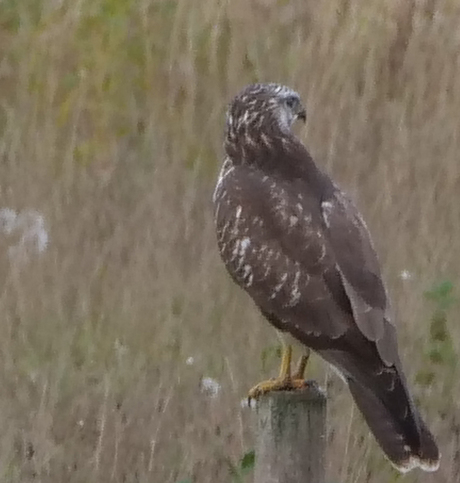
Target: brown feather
column 299, row 247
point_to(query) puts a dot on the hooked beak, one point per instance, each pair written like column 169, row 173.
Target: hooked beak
column 302, row 114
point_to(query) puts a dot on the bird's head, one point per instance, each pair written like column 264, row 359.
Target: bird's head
column 264, row 108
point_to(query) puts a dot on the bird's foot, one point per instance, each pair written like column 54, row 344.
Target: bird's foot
column 278, row 384
column 285, row 381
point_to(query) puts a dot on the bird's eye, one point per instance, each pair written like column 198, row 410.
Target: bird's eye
column 291, row 101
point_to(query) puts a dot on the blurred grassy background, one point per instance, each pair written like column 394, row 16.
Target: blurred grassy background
column 111, row 122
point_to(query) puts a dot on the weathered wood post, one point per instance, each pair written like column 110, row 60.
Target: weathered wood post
column 291, row 437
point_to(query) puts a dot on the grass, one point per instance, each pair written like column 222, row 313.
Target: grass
column 111, row 120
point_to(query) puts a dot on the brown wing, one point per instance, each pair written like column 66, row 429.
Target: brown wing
column 271, row 238
column 306, row 261
column 359, row 269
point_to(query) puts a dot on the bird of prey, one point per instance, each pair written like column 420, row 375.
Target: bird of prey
column 299, row 247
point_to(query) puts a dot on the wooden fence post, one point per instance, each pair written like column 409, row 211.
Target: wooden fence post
column 291, row 437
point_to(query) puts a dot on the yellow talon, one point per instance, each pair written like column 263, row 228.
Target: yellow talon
column 302, row 365
column 284, row 382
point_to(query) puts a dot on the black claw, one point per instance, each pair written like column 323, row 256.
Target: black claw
column 311, row 383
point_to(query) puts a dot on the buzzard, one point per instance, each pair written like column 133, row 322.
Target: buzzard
column 299, row 247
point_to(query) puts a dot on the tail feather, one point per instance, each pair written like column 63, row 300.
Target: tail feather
column 428, row 454
column 395, row 436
